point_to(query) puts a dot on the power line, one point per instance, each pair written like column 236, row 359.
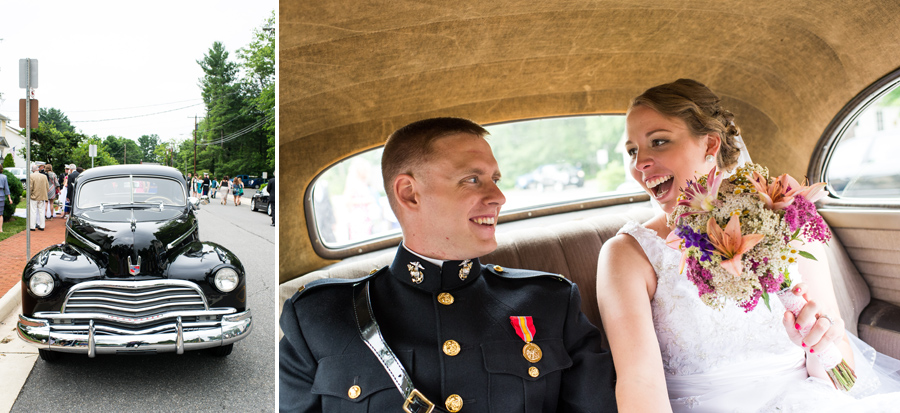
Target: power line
column 239, row 133
column 133, row 107
column 137, row 116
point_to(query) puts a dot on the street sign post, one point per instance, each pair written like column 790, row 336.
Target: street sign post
column 28, row 79
column 92, row 152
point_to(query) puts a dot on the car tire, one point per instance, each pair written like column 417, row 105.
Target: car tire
column 270, row 210
column 253, row 205
column 222, row 351
column 49, row 356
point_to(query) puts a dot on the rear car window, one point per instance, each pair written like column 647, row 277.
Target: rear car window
column 544, row 162
column 863, row 163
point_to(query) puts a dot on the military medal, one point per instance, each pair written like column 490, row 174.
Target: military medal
column 414, row 272
column 466, row 268
column 525, row 329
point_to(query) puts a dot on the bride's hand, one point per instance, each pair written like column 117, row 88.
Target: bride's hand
column 821, row 332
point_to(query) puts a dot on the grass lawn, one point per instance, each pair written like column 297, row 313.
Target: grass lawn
column 13, row 227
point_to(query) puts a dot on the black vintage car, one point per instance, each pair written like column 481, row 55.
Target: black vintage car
column 260, row 201
column 133, row 275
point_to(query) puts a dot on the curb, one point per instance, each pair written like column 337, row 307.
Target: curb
column 10, row 303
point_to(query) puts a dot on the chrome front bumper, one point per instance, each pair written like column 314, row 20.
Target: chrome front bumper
column 39, row 332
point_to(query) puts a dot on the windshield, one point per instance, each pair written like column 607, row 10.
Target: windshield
column 130, row 190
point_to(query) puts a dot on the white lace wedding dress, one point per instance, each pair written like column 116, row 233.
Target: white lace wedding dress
column 730, row 361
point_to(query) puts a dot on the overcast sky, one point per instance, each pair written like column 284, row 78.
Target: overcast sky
column 101, row 60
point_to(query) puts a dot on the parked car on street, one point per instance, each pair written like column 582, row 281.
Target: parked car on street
column 260, row 201
column 132, row 275
column 19, row 173
column 556, row 176
column 251, row 181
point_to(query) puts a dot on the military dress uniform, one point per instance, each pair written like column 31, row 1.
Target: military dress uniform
column 473, row 338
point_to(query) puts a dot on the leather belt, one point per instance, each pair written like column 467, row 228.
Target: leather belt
column 414, row 401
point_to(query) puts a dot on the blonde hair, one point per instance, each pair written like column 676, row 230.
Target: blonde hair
column 696, row 105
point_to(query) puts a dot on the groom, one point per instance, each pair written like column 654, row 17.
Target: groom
column 437, row 328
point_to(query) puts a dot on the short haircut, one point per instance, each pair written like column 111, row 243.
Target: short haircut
column 411, row 146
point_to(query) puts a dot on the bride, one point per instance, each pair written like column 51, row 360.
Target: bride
column 671, row 351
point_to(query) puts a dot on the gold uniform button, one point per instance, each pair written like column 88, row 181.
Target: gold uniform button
column 451, row 348
column 498, row 268
column 454, row 403
column 354, row 392
column 533, row 371
column 445, row 298
column 374, row 270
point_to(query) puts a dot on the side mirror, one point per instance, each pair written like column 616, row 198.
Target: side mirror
column 195, row 202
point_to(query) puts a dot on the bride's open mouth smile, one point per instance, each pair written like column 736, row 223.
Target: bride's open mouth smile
column 660, row 186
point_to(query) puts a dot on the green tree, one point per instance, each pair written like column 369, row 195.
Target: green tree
column 52, row 146
column 81, row 154
column 57, row 118
column 123, row 150
column 148, row 144
column 8, row 161
column 258, row 58
column 892, row 98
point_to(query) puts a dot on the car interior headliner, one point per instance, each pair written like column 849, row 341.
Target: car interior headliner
column 351, row 72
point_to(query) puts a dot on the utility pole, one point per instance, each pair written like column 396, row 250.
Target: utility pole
column 195, row 145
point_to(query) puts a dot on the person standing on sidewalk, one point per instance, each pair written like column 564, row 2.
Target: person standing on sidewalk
column 53, row 181
column 5, row 195
column 270, row 188
column 70, row 187
column 39, row 188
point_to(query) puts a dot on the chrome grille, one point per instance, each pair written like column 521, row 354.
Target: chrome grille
column 134, row 299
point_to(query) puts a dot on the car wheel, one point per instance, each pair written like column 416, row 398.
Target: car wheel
column 49, row 356
column 222, row 351
column 253, row 204
column 270, row 210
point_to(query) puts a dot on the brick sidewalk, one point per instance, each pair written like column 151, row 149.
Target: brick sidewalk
column 12, row 251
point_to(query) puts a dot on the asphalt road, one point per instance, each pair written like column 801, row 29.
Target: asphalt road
column 195, row 381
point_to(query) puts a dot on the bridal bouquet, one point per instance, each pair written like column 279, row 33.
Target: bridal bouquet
column 738, row 236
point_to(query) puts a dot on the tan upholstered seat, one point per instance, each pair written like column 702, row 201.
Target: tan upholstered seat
column 571, row 248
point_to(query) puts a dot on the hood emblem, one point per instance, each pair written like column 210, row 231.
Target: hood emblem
column 134, row 269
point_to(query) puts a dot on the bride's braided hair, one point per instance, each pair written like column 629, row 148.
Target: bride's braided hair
column 693, row 102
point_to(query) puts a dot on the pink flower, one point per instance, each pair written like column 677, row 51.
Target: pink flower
column 702, row 199
column 781, row 192
column 730, row 243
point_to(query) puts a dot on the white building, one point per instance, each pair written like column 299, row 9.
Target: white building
column 11, row 142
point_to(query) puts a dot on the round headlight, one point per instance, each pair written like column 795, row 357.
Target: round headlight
column 41, row 283
column 226, row 279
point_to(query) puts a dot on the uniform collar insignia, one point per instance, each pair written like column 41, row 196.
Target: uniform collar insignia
column 413, row 270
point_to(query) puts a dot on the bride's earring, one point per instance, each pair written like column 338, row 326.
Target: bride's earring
column 710, row 159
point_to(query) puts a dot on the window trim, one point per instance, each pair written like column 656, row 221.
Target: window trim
column 827, row 144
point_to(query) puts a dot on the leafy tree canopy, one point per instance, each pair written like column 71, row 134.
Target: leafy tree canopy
column 56, row 118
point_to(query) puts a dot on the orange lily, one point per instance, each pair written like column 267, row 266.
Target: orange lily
column 780, row 194
column 730, row 243
column 675, row 242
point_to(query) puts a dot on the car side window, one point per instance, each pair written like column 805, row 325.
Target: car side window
column 543, row 162
column 863, row 163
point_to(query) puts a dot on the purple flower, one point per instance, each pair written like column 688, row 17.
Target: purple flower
column 696, row 239
column 699, row 276
column 771, row 283
column 750, row 304
column 802, row 214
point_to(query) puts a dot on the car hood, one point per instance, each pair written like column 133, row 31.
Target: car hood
column 130, row 242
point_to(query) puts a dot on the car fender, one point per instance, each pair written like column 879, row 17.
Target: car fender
column 68, row 264
column 198, row 261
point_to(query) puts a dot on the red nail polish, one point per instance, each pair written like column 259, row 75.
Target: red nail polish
column 797, row 326
column 812, row 351
column 804, row 344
